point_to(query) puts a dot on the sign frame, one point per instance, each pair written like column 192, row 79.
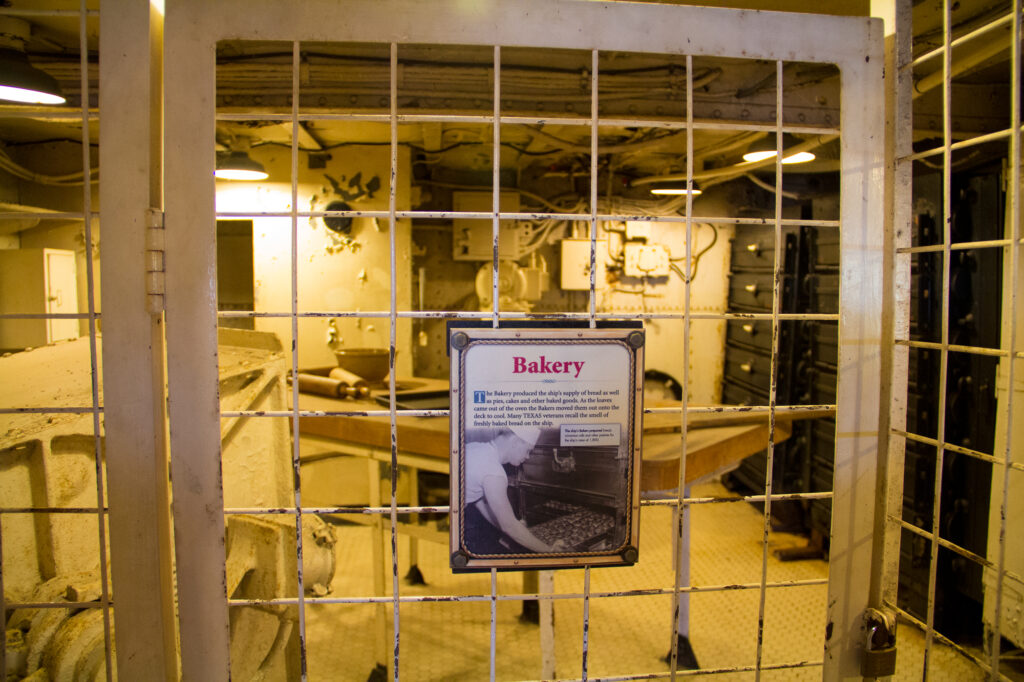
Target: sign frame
column 584, row 416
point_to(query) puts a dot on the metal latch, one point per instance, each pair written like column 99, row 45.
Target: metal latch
column 154, row 260
column 879, row 645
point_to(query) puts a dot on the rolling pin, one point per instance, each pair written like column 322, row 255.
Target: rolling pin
column 354, row 385
column 314, row 383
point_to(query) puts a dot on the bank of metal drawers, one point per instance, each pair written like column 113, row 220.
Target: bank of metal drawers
column 748, row 362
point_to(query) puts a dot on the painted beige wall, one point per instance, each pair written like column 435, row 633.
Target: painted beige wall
column 333, row 275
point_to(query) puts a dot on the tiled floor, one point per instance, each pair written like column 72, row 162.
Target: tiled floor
column 627, row 635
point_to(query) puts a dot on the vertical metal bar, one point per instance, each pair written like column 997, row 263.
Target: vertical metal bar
column 896, row 315
column 585, row 663
column 547, row 625
column 773, row 374
column 296, row 471
column 586, row 625
column 133, row 382
column 681, row 602
column 494, row 622
column 192, row 375
column 861, row 296
column 496, row 183
column 1015, row 233
column 947, row 218
column 592, row 294
column 392, row 341
column 83, row 63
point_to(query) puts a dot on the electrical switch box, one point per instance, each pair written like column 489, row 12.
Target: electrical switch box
column 576, row 264
column 473, row 238
column 638, row 229
column 645, row 260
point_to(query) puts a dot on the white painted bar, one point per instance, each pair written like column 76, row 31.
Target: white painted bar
column 136, row 455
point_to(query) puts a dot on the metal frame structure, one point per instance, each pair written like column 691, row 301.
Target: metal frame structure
column 132, row 195
column 907, row 87
column 193, row 29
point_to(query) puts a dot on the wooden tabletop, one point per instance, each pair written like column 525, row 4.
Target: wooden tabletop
column 708, row 448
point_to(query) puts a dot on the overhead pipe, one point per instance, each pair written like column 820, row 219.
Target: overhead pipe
column 963, row 62
column 717, row 175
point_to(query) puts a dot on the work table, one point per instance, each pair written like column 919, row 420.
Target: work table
column 714, row 442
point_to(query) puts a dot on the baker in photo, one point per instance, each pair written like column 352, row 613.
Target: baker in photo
column 491, row 526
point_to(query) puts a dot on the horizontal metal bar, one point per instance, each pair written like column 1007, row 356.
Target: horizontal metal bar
column 952, row 546
column 523, row 216
column 446, row 509
column 920, row 625
column 50, row 410
column 954, row 348
column 53, row 510
column 917, row 438
column 962, row 144
column 488, row 119
column 48, row 316
column 11, row 606
column 722, row 409
column 729, row 409
column 547, row 596
column 339, row 413
column 701, row 672
column 255, row 511
column 49, row 113
column 9, row 12
column 967, row 37
column 55, row 215
column 960, row 246
column 753, row 499
column 462, row 314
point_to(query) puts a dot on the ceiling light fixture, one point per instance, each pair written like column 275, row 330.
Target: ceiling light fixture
column 238, row 165
column 674, row 189
column 20, row 81
column 764, row 149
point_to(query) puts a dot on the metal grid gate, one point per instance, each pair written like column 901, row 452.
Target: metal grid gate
column 192, row 32
column 49, row 429
column 140, row 561
column 931, row 457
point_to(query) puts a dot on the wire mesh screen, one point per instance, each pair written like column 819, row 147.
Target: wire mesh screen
column 53, row 508
column 958, row 252
column 410, row 185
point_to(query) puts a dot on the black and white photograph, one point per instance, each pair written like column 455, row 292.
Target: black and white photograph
column 525, row 493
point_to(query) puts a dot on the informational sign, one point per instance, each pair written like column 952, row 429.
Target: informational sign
column 545, row 447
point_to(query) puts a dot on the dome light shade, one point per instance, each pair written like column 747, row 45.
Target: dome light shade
column 240, row 166
column 764, row 149
column 674, row 189
column 23, row 83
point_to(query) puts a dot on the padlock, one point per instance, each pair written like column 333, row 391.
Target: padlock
column 879, row 662
column 880, row 645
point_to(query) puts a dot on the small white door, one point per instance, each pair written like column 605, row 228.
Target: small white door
column 61, row 295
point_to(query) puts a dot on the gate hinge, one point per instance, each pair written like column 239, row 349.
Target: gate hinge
column 154, row 260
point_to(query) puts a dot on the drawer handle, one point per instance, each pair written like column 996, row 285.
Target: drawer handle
column 749, row 328
column 754, row 248
column 747, row 367
column 752, row 288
